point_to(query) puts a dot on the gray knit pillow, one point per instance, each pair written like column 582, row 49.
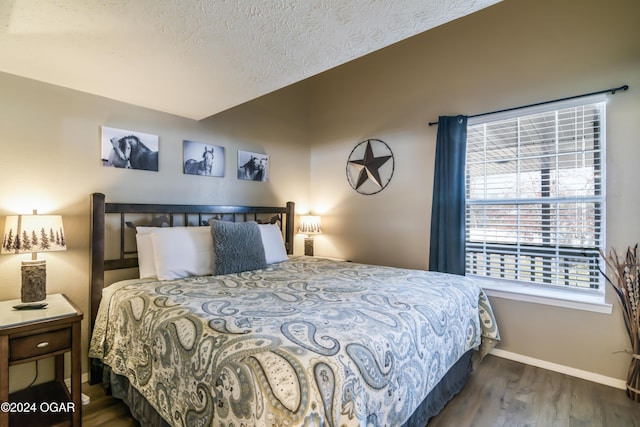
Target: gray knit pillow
column 237, row 247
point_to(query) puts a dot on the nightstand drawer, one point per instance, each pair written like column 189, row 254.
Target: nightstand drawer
column 39, row 344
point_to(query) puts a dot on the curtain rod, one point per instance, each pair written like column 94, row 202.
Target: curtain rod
column 612, row 90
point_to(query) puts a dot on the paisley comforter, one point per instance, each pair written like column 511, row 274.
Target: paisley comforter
column 306, row 342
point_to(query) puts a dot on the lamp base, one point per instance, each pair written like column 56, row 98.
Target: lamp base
column 34, row 280
column 308, row 246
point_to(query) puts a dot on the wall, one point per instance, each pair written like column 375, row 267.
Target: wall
column 513, row 53
column 50, row 161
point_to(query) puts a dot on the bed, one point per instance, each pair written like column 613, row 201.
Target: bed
column 300, row 341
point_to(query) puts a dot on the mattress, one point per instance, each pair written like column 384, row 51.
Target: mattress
column 308, row 341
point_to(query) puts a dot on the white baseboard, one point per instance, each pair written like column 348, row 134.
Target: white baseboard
column 578, row 373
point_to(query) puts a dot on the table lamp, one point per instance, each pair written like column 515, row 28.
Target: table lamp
column 33, row 233
column 309, row 225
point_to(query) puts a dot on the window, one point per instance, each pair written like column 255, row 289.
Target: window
column 535, row 196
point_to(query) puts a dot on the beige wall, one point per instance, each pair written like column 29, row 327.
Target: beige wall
column 50, row 161
column 514, row 53
column 511, row 54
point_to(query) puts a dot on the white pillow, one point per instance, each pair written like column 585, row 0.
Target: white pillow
column 146, row 259
column 274, row 250
column 182, row 252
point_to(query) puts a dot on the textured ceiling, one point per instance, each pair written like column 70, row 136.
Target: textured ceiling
column 197, row 58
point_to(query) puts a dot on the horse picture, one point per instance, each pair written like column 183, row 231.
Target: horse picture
column 253, row 166
column 120, row 154
column 129, row 150
column 203, row 159
column 142, row 157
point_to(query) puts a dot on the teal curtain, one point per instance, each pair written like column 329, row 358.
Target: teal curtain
column 447, row 247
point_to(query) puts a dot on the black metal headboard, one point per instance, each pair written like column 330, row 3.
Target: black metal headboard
column 179, row 213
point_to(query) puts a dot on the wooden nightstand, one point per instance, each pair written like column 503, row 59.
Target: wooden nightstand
column 29, row 335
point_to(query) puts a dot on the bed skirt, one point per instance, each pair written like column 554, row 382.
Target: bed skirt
column 444, row 391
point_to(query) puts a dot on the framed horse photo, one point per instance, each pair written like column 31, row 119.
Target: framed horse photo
column 203, row 159
column 253, row 166
column 129, row 149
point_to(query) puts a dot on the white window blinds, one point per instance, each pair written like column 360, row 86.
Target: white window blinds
column 535, row 195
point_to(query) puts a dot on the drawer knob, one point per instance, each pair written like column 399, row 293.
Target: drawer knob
column 42, row 344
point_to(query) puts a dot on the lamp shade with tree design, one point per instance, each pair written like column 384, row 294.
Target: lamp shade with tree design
column 33, row 233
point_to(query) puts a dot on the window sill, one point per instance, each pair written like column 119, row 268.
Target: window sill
column 522, row 292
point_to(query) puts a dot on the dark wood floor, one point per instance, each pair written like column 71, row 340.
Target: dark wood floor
column 503, row 393
column 105, row 411
column 500, row 393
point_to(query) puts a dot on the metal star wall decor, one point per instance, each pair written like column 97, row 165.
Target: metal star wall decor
column 370, row 166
